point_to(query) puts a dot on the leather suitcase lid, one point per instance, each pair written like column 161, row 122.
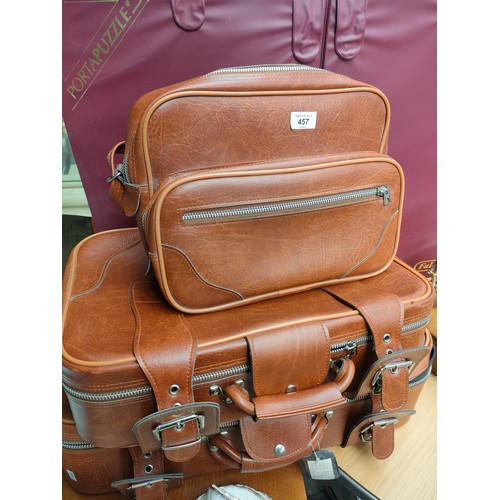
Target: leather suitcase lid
column 106, row 271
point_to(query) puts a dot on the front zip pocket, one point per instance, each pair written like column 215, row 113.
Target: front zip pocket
column 222, row 238
column 288, row 207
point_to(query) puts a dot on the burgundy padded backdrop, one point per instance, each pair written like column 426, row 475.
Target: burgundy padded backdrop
column 115, row 51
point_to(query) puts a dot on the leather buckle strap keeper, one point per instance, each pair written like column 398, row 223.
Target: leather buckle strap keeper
column 166, row 350
column 378, row 429
column 383, row 313
column 149, row 482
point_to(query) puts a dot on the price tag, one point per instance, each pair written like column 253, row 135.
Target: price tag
column 301, row 120
column 321, row 465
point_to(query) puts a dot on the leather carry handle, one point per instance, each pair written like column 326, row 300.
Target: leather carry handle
column 227, row 454
column 118, row 148
column 317, row 399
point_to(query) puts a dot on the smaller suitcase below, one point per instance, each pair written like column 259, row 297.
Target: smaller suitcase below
column 88, row 469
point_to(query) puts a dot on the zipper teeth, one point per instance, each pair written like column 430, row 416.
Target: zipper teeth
column 228, row 425
column 77, row 445
column 342, row 345
column 406, row 328
column 109, row 396
column 228, row 372
column 414, row 325
column 124, row 169
column 219, row 374
column 146, row 390
column 281, row 206
column 143, row 219
column 265, row 68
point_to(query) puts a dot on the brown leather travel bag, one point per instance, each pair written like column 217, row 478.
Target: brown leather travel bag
column 257, row 182
column 252, row 388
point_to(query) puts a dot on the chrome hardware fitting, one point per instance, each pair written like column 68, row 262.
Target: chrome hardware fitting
column 178, row 424
column 117, row 175
column 366, row 432
column 174, row 389
column 150, row 434
column 393, row 367
column 279, row 450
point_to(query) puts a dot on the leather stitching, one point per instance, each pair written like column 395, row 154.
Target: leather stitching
column 375, row 247
column 198, row 275
column 247, row 422
column 103, row 272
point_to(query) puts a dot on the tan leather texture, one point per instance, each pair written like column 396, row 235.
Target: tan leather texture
column 243, row 116
column 273, row 231
column 208, row 143
column 124, row 348
column 88, row 469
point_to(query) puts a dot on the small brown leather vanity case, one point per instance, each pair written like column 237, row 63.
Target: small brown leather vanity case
column 252, row 388
column 257, row 182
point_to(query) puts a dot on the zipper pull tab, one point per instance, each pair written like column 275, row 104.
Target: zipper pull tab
column 351, row 349
column 384, row 192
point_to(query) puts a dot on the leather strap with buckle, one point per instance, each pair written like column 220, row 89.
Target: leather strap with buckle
column 383, row 313
column 149, row 481
column 166, row 353
column 151, row 431
column 378, row 429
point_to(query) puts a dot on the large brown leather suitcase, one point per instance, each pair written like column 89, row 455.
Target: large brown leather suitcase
column 255, row 182
column 252, row 388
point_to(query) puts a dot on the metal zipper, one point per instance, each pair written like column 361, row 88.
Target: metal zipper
column 143, row 218
column 229, row 425
column 77, row 445
column 147, row 390
column 219, row 374
column 124, row 169
column 349, row 347
column 264, row 68
column 305, row 204
column 108, row 396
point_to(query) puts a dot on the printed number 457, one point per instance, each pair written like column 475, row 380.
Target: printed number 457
column 303, row 121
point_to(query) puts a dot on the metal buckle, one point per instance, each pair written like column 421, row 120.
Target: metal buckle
column 149, row 429
column 178, row 424
column 366, row 434
column 394, row 367
column 145, row 482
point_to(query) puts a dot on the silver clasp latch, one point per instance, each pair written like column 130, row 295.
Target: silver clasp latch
column 366, row 432
column 149, row 429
